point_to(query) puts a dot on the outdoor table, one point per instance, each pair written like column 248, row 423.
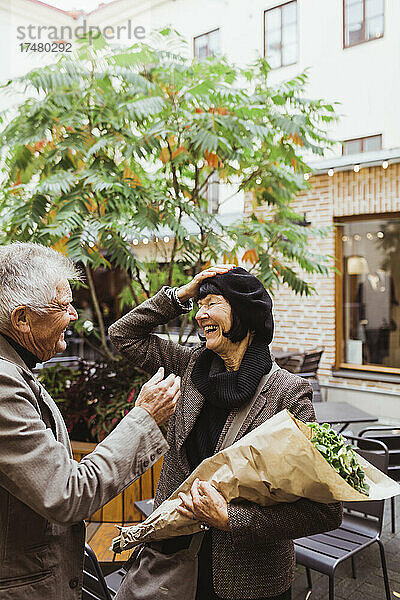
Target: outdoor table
column 336, row 413
column 280, row 354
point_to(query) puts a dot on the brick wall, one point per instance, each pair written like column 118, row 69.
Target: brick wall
column 304, row 323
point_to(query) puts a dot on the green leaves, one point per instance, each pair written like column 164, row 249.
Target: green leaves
column 59, row 183
column 113, row 145
column 340, row 455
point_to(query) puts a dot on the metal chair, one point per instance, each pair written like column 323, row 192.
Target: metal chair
column 390, row 436
column 305, row 363
column 314, row 382
column 114, row 580
column 94, row 584
column 361, row 527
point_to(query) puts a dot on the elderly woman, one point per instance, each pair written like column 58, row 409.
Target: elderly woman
column 248, row 551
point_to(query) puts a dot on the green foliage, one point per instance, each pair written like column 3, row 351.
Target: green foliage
column 340, row 455
column 95, row 397
column 116, row 143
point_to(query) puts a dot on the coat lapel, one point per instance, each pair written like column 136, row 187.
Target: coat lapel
column 188, row 410
column 7, row 352
column 261, row 404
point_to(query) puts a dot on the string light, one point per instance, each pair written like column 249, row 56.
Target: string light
column 385, row 164
column 356, row 168
column 166, row 239
column 357, row 237
column 135, row 242
column 145, row 241
column 331, row 172
column 306, row 176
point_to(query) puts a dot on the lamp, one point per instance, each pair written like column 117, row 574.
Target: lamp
column 357, row 265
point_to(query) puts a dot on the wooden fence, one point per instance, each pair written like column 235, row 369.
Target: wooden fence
column 122, row 508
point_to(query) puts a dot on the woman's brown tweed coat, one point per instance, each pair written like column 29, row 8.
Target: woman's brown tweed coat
column 256, row 558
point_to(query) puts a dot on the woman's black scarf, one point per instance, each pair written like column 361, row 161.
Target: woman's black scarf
column 231, row 389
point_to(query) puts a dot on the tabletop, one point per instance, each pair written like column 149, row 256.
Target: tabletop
column 279, row 354
column 341, row 412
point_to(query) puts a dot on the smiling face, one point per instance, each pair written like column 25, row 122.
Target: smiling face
column 43, row 333
column 215, row 318
column 48, row 330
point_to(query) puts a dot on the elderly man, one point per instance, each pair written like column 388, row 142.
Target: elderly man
column 44, row 493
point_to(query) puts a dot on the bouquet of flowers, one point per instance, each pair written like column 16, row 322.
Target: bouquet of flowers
column 282, row 460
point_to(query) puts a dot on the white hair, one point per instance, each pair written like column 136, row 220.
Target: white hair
column 29, row 275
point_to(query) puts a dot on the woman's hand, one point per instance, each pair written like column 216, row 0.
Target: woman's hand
column 205, row 504
column 191, row 289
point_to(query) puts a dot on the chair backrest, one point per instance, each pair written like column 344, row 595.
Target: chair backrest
column 390, row 436
column 311, row 360
column 94, row 585
column 292, row 363
column 377, row 454
column 313, row 381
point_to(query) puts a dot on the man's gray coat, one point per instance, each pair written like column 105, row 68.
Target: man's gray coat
column 45, row 494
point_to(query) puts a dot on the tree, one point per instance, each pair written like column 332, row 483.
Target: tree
column 114, row 144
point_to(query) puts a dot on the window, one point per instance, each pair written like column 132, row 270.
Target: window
column 206, row 45
column 365, row 144
column 212, row 194
column 371, row 293
column 280, row 35
column 363, row 21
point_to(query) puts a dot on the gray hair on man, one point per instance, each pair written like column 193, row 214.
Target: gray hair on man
column 29, row 275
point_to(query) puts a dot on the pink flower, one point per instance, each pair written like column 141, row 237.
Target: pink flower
column 130, row 397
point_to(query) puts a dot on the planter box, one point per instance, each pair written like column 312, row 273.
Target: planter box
column 122, row 508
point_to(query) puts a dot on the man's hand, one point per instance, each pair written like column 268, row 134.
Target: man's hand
column 191, row 289
column 159, row 396
column 205, row 504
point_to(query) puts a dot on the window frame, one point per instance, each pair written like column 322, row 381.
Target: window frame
column 362, row 139
column 297, row 32
column 363, row 41
column 196, row 37
column 339, row 263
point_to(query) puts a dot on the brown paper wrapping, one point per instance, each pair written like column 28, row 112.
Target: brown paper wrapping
column 275, row 462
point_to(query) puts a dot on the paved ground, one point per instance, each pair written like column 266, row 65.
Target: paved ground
column 369, row 582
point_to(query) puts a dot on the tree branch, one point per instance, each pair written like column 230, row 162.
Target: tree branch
column 98, row 312
column 145, row 290
column 134, row 294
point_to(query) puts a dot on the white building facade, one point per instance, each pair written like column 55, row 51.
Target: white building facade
column 351, row 49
